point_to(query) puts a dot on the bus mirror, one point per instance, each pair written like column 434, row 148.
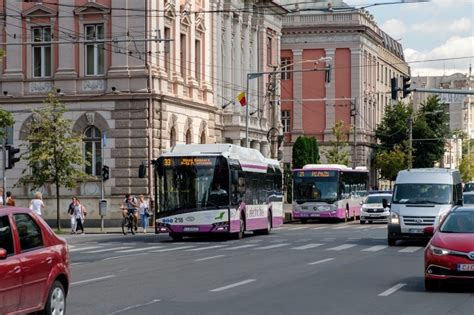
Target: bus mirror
column 234, row 177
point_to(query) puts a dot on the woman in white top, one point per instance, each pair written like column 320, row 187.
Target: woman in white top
column 143, row 209
column 37, row 204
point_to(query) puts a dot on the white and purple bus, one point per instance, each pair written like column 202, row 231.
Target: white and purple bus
column 328, row 191
column 217, row 188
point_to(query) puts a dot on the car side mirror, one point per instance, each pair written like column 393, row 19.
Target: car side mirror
column 429, row 230
column 3, row 253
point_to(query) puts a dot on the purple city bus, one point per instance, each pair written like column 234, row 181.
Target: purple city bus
column 217, row 188
column 329, row 191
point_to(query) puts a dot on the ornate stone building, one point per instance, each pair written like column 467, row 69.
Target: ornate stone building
column 356, row 89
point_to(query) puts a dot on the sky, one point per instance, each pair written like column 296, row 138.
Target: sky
column 438, row 29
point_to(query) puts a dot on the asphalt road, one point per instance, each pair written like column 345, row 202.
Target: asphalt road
column 318, row 268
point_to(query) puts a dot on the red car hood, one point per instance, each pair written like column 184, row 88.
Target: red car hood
column 463, row 242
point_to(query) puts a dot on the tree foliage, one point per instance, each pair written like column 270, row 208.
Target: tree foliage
column 53, row 152
column 390, row 162
column 466, row 168
column 305, row 151
column 394, row 128
column 338, row 153
column 6, row 120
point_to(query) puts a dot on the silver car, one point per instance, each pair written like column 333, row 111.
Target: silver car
column 372, row 208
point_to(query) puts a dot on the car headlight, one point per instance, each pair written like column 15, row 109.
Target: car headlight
column 363, row 209
column 438, row 251
column 394, row 218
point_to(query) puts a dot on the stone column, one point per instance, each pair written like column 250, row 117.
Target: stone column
column 297, row 94
column 66, row 60
column 13, row 59
column 356, row 89
column 227, row 64
column 330, row 96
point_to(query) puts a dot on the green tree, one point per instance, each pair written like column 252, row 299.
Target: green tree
column 305, row 151
column 430, row 131
column 390, row 162
column 338, row 153
column 6, row 120
column 53, row 152
column 466, row 167
column 394, row 128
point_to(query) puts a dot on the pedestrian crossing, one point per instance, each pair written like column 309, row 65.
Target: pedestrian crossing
column 325, row 244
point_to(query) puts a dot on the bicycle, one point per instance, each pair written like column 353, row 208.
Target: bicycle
column 128, row 223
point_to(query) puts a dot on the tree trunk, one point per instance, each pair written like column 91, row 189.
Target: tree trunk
column 58, row 213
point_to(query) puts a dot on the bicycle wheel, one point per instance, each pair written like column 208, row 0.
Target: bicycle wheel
column 125, row 226
column 131, row 224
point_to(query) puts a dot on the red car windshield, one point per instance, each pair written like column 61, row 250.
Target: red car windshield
column 459, row 222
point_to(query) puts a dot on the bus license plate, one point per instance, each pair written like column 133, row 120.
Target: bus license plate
column 465, row 267
column 191, row 229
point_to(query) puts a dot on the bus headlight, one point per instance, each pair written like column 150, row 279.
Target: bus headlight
column 394, row 218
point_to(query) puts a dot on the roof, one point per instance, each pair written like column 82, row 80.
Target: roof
column 6, row 210
column 330, row 167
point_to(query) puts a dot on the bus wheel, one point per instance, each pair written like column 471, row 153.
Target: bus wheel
column 304, row 221
column 269, row 225
column 241, row 232
column 176, row 237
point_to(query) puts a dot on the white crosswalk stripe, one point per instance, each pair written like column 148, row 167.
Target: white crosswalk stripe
column 273, row 246
column 341, row 227
column 139, row 249
column 319, row 228
column 205, row 248
column 308, row 246
column 375, row 248
column 80, row 249
column 341, row 247
column 411, row 249
column 239, row 247
column 298, row 228
column 107, row 250
column 171, row 249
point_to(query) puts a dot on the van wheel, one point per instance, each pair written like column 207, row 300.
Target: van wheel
column 362, row 221
column 391, row 241
column 176, row 237
column 56, row 303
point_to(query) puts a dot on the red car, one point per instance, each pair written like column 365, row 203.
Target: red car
column 34, row 264
column 450, row 253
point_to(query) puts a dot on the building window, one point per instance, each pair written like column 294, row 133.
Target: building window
column 269, row 51
column 285, row 62
column 188, row 137
column 285, row 120
column 93, row 151
column 172, row 137
column 203, row 138
column 197, row 59
column 41, row 52
column 182, row 55
column 167, row 49
column 95, row 57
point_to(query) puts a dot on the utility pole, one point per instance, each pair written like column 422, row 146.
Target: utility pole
column 354, row 114
column 273, row 102
column 4, row 165
column 410, row 124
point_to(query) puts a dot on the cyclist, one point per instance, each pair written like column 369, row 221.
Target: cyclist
column 130, row 205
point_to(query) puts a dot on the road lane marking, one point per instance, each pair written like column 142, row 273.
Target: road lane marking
column 204, row 248
column 320, row 261
column 298, row 228
column 92, row 280
column 319, row 228
column 341, row 247
column 393, row 289
column 341, row 227
column 139, row 249
column 239, row 247
column 230, row 286
column 106, row 250
column 171, row 249
column 83, row 248
column 273, row 246
column 209, row 258
column 354, row 238
column 410, row 249
column 308, row 246
column 279, row 240
column 379, row 227
column 361, row 227
column 328, row 239
column 123, row 256
column 375, row 248
column 135, row 306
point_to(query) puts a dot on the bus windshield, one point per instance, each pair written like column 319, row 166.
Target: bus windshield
column 193, row 183
column 315, row 186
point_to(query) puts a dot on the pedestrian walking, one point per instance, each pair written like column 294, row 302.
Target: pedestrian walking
column 143, row 208
column 36, row 204
column 10, row 201
column 80, row 213
column 72, row 217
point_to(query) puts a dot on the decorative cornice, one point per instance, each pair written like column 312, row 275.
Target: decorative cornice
column 92, row 8
column 39, row 10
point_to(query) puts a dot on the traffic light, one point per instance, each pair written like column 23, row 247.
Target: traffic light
column 105, row 172
column 12, row 151
column 394, row 88
column 406, row 86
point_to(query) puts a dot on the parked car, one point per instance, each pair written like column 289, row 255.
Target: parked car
column 468, row 198
column 449, row 254
column 468, row 187
column 34, row 264
column 373, row 210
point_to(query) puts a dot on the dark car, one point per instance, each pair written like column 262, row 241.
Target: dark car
column 468, row 187
column 450, row 253
column 34, row 264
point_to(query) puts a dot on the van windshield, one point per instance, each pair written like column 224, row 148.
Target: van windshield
column 422, row 194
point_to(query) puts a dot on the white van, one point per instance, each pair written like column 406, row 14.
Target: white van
column 420, row 197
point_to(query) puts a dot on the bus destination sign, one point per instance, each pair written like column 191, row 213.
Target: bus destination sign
column 188, row 161
column 316, row 173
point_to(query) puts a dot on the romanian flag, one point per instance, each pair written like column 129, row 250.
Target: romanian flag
column 242, row 99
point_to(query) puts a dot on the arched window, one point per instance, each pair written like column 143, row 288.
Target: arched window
column 172, row 137
column 188, row 137
column 93, row 150
column 203, row 138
